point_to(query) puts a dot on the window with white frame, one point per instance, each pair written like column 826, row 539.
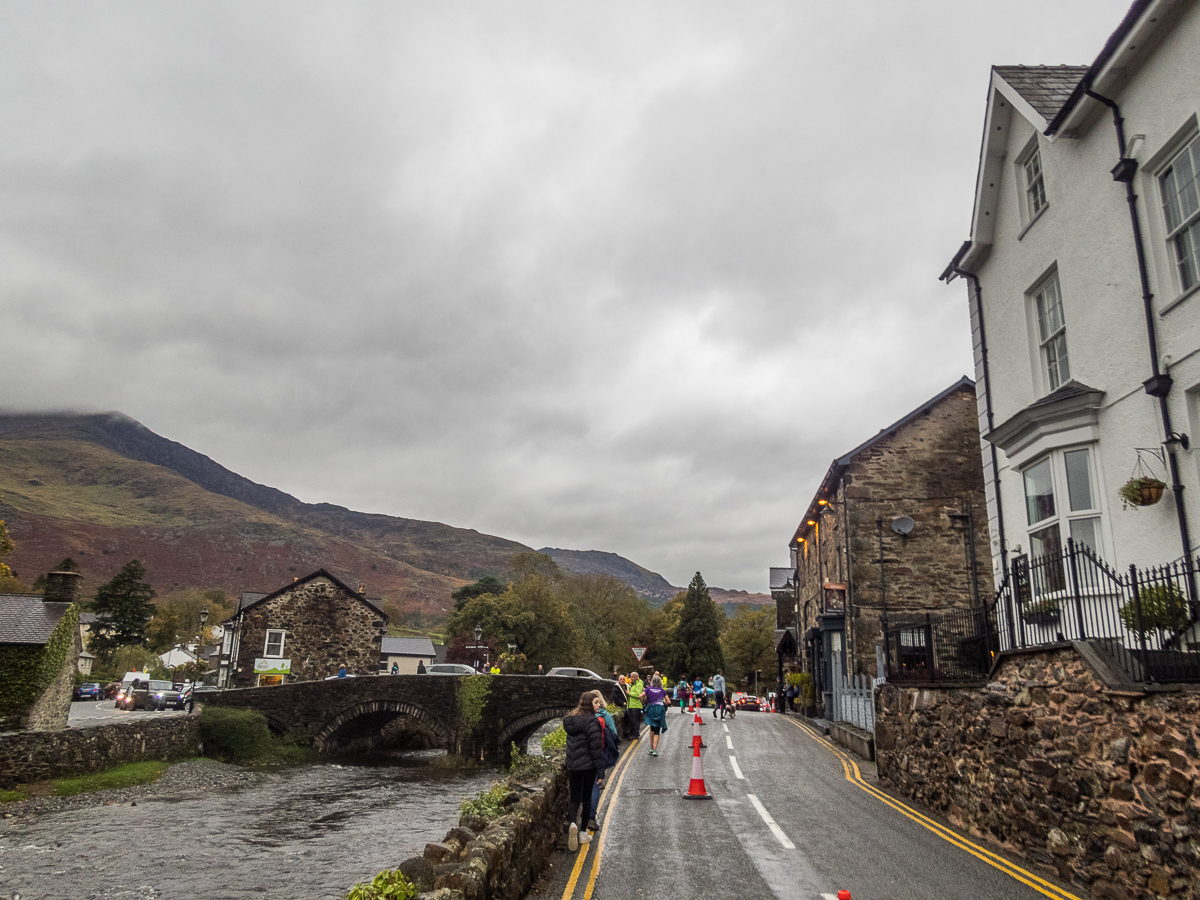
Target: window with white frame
column 1180, row 187
column 1051, row 333
column 1033, row 180
column 1061, row 501
column 274, row 643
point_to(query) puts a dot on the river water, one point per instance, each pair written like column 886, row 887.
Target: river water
column 307, row 833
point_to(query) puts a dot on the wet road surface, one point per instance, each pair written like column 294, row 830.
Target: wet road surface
column 792, row 816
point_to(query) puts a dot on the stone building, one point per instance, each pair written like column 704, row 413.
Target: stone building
column 912, row 496
column 305, row 632
column 39, row 651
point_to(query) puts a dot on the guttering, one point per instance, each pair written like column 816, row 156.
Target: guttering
column 947, row 277
column 1159, row 383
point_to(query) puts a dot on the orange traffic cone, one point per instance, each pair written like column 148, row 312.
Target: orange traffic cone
column 843, row 895
column 699, row 718
column 697, row 739
column 697, row 790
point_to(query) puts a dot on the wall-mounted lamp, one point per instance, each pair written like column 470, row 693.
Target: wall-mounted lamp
column 810, row 522
column 1176, row 442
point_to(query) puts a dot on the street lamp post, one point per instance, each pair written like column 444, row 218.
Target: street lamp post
column 196, row 664
column 478, row 641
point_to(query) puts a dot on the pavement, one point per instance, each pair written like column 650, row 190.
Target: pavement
column 792, row 816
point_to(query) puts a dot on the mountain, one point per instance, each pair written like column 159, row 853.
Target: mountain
column 647, row 584
column 104, row 489
column 597, row 562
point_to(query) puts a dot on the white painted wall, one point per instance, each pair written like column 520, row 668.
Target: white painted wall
column 1085, row 231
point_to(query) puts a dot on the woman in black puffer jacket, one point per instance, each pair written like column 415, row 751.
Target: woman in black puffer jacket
column 585, row 757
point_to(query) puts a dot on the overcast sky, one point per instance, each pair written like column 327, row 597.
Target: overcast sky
column 611, row 276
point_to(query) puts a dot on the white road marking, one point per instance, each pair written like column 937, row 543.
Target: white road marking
column 726, row 727
column 829, row 897
column 728, row 742
column 737, row 770
column 775, row 829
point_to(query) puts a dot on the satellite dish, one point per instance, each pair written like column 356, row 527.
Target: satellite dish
column 902, row 525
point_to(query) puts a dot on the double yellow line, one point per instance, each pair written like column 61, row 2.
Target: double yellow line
column 854, row 776
column 610, row 799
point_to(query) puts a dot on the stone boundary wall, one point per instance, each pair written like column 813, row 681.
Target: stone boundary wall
column 31, row 756
column 500, row 859
column 1093, row 783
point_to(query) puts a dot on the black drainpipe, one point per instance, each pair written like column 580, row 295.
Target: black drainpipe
column 987, row 403
column 1159, row 383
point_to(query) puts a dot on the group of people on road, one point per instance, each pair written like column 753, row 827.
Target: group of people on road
column 685, row 693
column 594, row 746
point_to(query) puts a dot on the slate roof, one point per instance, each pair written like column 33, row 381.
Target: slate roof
column 1046, row 88
column 28, row 619
column 781, row 578
column 406, row 646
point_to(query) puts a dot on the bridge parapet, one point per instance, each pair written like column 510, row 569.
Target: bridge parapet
column 330, row 713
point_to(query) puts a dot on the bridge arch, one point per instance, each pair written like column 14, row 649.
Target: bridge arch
column 521, row 728
column 327, row 738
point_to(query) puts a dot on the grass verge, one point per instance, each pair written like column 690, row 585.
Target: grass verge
column 126, row 775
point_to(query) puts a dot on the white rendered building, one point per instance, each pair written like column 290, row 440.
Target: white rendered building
column 1083, row 273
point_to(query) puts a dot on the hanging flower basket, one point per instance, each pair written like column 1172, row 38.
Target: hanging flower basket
column 1141, row 491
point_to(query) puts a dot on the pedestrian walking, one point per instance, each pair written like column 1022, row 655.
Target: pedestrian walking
column 633, row 712
column 685, row 694
column 612, row 752
column 699, row 693
column 342, row 671
column 655, row 699
column 585, row 757
column 395, row 668
column 619, row 695
column 421, row 670
column 719, row 693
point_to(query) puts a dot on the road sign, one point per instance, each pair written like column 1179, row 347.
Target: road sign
column 639, row 652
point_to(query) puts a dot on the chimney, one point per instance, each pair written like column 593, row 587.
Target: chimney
column 62, row 587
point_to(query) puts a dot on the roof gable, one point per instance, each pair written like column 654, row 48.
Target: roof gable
column 407, row 646
column 838, row 466
column 320, row 573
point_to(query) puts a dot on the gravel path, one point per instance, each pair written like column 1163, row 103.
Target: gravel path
column 183, row 779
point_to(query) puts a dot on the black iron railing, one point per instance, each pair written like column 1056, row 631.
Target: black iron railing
column 1147, row 620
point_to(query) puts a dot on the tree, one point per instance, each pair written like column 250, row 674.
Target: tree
column 749, row 642
column 527, row 565
column 9, row 582
column 123, row 607
column 610, row 617
column 488, row 584
column 696, row 648
column 176, row 618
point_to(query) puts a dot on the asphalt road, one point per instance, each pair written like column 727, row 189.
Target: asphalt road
column 803, row 821
column 101, row 712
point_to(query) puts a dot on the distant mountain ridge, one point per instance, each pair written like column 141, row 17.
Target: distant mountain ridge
column 106, row 488
column 599, row 562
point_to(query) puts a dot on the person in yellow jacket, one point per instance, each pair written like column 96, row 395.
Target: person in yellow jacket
column 633, row 713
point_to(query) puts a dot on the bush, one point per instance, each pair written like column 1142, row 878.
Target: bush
column 234, row 735
column 555, row 740
column 390, row 884
column 487, row 804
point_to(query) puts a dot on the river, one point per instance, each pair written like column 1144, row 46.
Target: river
column 307, row 833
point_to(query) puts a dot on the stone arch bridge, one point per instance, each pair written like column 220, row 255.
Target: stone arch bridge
column 335, row 713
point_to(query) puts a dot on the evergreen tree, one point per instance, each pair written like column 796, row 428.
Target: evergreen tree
column 696, row 648
column 123, row 606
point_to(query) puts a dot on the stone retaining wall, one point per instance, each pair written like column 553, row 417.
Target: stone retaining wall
column 37, row 756
column 1096, row 784
column 500, row 859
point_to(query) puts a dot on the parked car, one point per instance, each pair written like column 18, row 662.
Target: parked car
column 449, row 669
column 89, row 691
column 575, row 672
